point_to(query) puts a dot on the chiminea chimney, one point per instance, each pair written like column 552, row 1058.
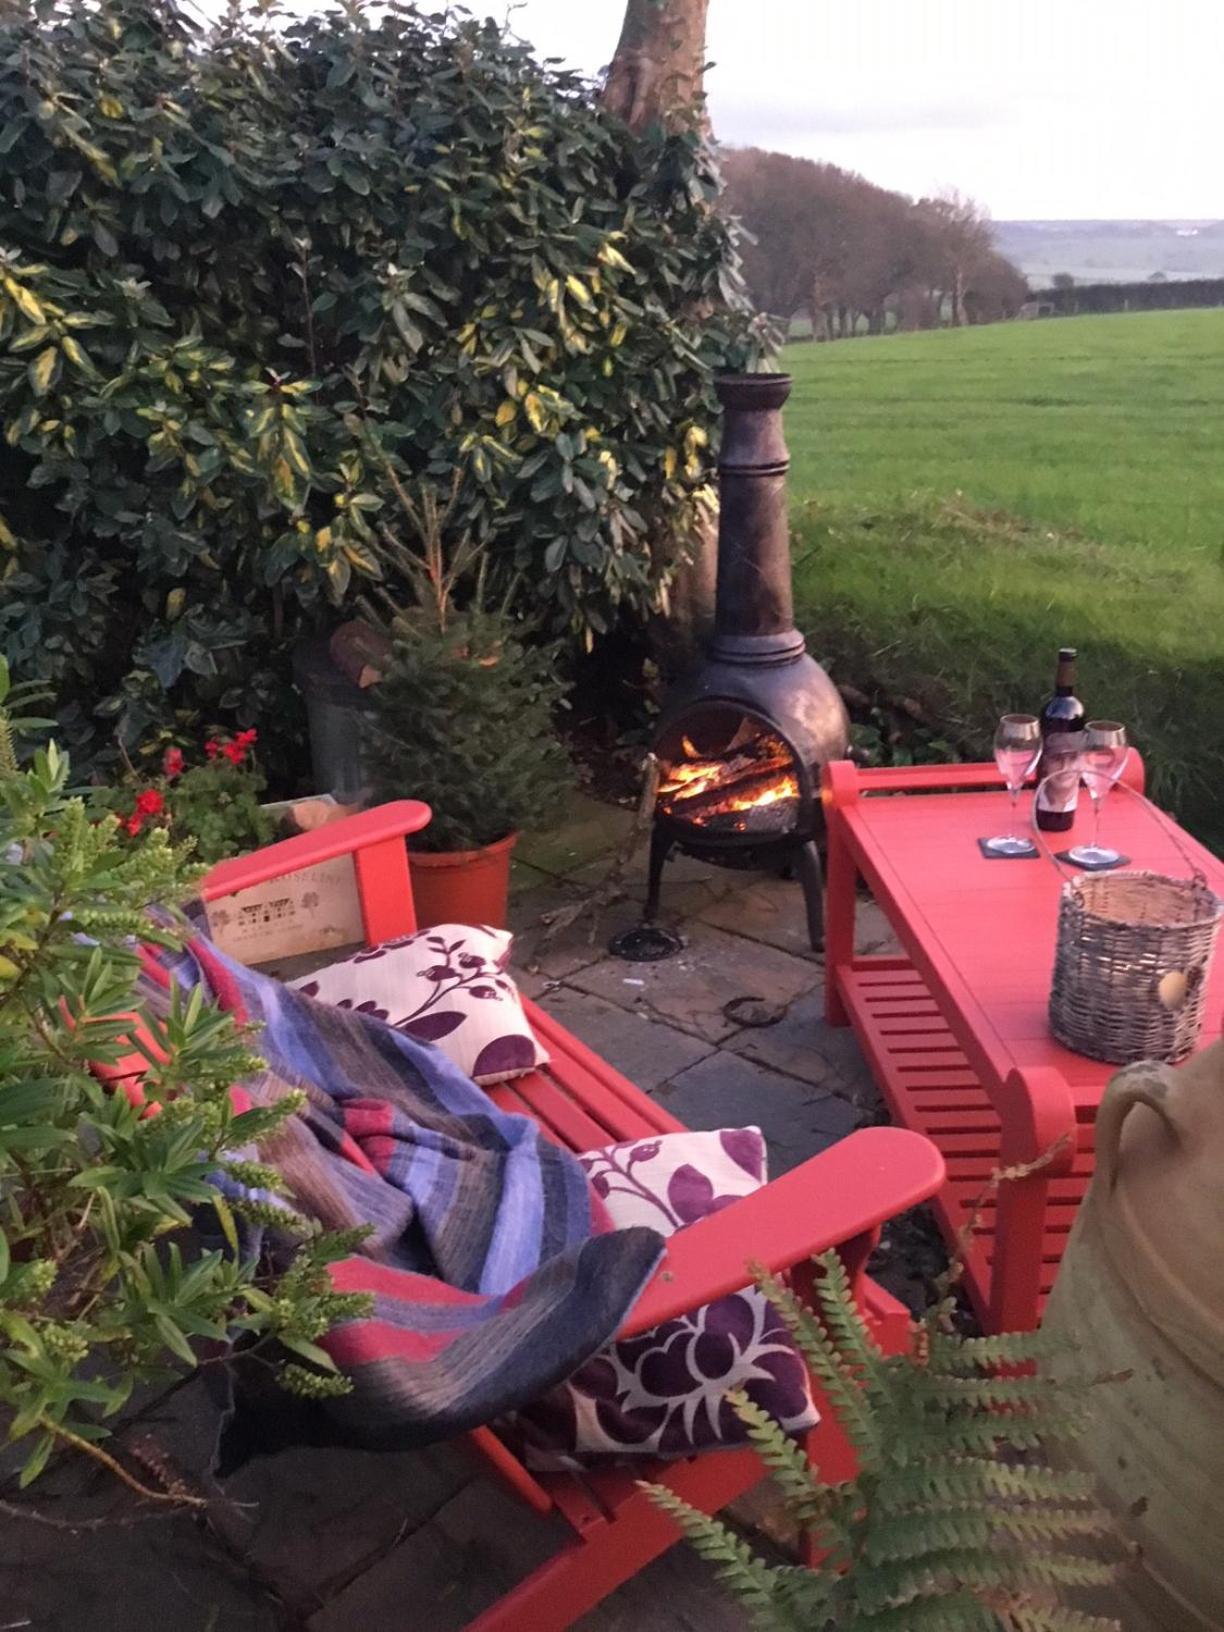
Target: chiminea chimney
column 741, row 742
column 754, row 611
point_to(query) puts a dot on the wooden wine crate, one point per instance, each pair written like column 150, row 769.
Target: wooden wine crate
column 316, row 910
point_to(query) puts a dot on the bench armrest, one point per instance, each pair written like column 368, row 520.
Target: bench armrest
column 374, row 839
column 342, row 838
column 844, row 1192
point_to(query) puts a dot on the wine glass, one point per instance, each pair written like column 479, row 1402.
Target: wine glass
column 1017, row 748
column 1102, row 761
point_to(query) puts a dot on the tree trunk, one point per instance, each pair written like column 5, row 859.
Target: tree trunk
column 656, row 78
column 656, row 74
column 959, row 316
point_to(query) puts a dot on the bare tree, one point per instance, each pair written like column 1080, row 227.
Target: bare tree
column 966, row 240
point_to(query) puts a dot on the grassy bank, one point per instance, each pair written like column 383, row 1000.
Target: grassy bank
column 968, row 501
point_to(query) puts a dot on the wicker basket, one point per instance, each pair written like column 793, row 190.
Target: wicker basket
column 1130, row 969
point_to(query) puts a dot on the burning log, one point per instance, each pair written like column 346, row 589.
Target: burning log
column 744, row 792
column 697, row 776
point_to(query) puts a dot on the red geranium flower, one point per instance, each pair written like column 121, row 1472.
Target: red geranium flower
column 172, row 762
column 150, row 803
column 234, row 752
column 247, row 739
column 212, row 748
column 134, row 823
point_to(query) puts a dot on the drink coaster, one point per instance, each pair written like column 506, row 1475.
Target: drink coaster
column 1092, row 866
column 1031, row 854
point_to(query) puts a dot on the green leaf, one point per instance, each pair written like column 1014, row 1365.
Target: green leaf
column 37, row 1460
column 225, row 1217
column 309, row 1351
column 172, row 1336
column 43, row 369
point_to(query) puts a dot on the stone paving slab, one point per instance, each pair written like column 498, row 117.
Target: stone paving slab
column 561, row 951
column 645, row 1050
column 769, row 910
column 585, row 829
column 801, row 1045
column 692, row 989
column 311, row 1520
column 479, row 1545
column 727, row 1091
column 158, row 1572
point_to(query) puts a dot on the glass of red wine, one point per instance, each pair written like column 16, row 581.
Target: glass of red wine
column 1102, row 761
column 1017, row 748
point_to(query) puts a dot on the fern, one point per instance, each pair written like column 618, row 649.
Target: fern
column 954, row 1523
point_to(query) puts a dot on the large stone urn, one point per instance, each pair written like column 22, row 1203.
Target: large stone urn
column 1141, row 1292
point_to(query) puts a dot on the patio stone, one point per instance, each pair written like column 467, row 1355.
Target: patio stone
column 802, row 1045
column 152, row 1572
column 872, row 931
column 586, row 828
column 647, row 1051
column 678, row 1592
column 689, row 884
column 308, row 1521
column 524, row 878
column 476, row 1547
column 770, row 910
column 727, row 1091
column 691, row 989
column 564, row 951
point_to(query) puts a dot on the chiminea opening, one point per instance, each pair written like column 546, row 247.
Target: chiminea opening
column 741, row 742
column 726, row 770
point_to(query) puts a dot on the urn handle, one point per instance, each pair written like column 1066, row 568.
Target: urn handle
column 1148, row 1083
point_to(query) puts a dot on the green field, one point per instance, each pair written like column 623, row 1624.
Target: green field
column 966, row 501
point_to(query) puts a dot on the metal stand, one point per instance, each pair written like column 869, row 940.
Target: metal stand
column 661, row 846
column 811, row 879
column 803, row 859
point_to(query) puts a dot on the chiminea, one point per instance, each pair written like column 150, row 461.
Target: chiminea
column 741, row 743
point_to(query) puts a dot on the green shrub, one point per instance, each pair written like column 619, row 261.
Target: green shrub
column 230, row 263
column 103, row 1284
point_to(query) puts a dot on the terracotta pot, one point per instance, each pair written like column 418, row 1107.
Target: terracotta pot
column 462, row 886
column 1141, row 1292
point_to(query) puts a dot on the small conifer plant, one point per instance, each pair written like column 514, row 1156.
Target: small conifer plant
column 954, row 1521
column 465, row 715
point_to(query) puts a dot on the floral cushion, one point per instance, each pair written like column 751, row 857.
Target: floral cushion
column 663, row 1394
column 446, row 985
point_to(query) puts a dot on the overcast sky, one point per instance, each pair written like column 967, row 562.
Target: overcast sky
column 1038, row 108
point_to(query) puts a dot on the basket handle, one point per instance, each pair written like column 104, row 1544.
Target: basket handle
column 1169, row 826
column 1148, row 1083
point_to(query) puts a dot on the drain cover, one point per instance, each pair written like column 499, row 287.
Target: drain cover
column 645, row 943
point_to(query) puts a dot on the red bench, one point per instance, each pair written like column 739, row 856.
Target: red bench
column 838, row 1199
column 955, row 1028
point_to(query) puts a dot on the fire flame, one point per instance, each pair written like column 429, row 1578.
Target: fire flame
column 696, row 777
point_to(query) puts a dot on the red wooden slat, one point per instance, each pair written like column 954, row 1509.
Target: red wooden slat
column 591, row 1080
column 583, row 1127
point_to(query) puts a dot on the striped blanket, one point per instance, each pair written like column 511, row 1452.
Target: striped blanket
column 492, row 1273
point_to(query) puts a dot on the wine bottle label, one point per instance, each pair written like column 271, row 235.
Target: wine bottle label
column 1058, row 773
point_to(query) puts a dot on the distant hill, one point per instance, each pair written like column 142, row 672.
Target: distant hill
column 1112, row 251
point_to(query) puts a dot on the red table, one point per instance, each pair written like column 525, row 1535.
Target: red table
column 955, row 1030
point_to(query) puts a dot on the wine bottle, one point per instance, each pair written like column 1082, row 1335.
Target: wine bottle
column 1062, row 721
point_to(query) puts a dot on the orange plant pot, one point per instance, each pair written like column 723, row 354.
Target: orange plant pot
column 462, row 886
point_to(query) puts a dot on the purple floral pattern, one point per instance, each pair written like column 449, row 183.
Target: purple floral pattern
column 664, row 1394
column 448, row 986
